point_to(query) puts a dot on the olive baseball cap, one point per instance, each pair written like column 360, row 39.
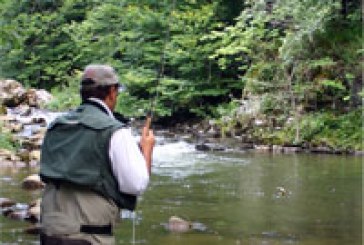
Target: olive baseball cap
column 96, row 75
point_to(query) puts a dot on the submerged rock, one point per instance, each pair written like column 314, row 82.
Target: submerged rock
column 33, row 230
column 16, row 214
column 33, row 214
column 203, row 147
column 6, row 202
column 209, row 147
column 32, row 182
column 178, row 225
column 282, row 192
column 21, row 211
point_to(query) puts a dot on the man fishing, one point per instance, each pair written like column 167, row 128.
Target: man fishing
column 92, row 165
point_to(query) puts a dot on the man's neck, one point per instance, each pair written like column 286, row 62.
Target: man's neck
column 103, row 104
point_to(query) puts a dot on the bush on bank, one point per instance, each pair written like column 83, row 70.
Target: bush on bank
column 319, row 129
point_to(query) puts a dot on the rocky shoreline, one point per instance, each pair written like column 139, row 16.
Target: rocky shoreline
column 23, row 121
column 206, row 137
column 22, row 117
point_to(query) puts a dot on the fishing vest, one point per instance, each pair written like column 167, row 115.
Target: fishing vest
column 76, row 150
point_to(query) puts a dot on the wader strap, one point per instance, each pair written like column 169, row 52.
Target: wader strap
column 54, row 240
column 97, row 229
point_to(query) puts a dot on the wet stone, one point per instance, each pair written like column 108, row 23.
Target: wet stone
column 262, row 148
column 33, row 214
column 24, row 155
column 5, row 153
column 292, row 149
column 208, row 147
column 35, row 155
column 178, row 225
column 33, row 230
column 32, row 182
column 16, row 214
column 203, row 147
column 6, row 202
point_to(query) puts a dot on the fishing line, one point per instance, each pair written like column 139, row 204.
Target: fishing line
column 133, row 239
column 156, row 95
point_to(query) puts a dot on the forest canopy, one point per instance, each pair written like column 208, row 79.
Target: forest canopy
column 197, row 58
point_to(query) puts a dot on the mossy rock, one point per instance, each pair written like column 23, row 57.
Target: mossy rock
column 2, row 109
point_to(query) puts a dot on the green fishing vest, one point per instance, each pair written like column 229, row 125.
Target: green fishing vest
column 76, row 150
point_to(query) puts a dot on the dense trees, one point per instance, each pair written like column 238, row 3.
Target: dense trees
column 198, row 57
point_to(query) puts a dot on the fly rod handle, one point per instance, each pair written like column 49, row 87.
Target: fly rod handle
column 148, row 122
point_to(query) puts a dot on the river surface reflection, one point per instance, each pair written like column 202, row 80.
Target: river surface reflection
column 237, row 197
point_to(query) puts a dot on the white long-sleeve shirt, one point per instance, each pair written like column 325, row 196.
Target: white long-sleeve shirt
column 127, row 161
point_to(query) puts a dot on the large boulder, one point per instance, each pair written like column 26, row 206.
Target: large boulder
column 37, row 98
column 32, row 182
column 11, row 93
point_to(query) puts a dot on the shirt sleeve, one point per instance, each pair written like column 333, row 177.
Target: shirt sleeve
column 128, row 163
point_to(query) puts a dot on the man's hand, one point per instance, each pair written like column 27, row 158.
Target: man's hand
column 147, row 142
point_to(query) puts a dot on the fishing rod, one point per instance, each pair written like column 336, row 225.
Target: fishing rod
column 153, row 99
column 160, row 74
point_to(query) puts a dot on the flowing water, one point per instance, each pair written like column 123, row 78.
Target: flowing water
column 232, row 198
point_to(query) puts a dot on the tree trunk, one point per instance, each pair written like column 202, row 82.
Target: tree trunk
column 356, row 87
column 296, row 114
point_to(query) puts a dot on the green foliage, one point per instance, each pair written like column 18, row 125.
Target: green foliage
column 342, row 131
column 145, row 42
column 65, row 97
column 228, row 118
column 193, row 57
column 339, row 132
column 44, row 43
column 43, row 54
column 6, row 141
column 276, row 104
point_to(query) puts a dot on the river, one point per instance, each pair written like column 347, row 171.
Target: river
column 232, row 198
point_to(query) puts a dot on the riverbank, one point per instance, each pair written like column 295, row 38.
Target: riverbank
column 207, row 136
column 24, row 121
